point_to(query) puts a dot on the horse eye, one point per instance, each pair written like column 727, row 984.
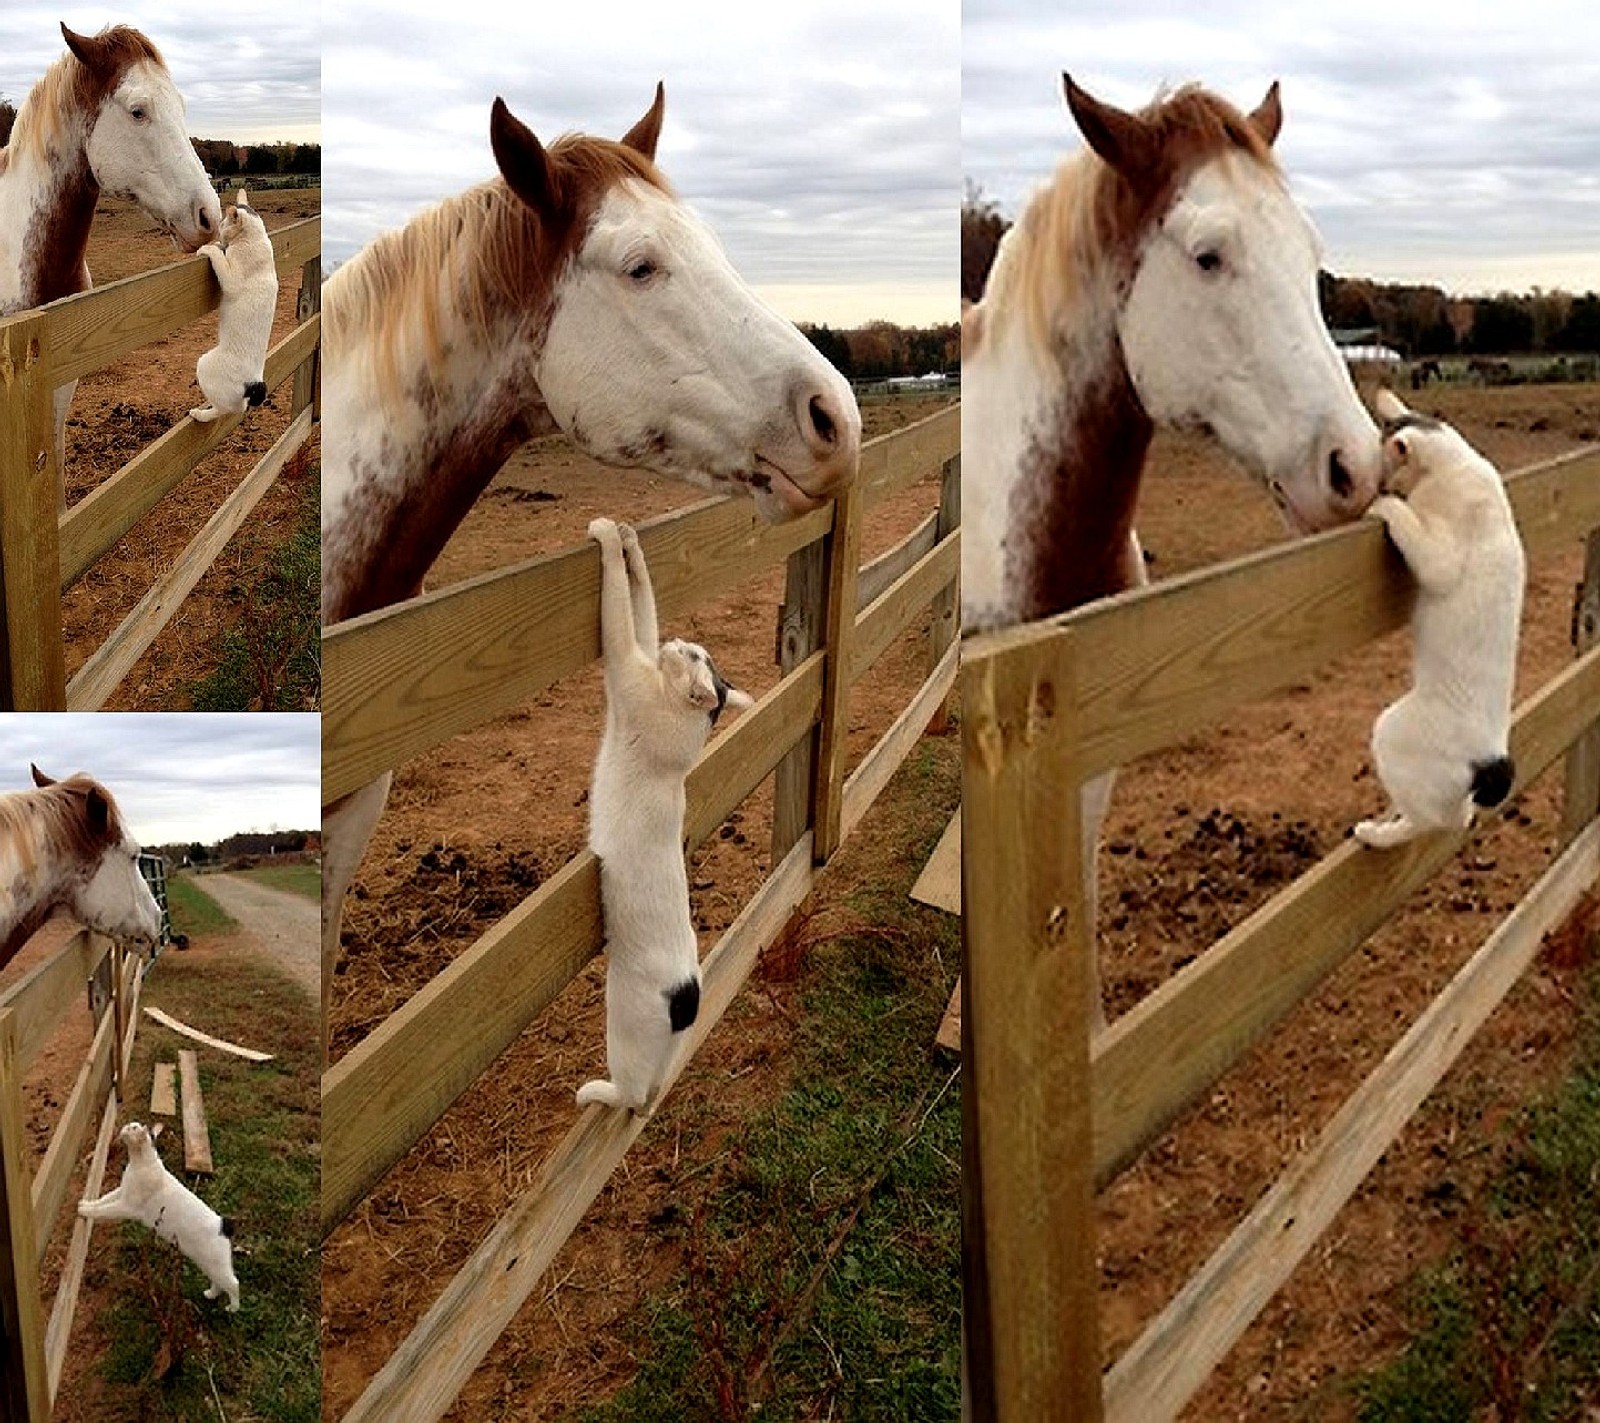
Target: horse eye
column 1209, row 260
column 642, row 271
column 138, row 112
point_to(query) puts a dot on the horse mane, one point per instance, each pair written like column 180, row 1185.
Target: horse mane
column 70, row 85
column 478, row 254
column 56, row 816
column 1088, row 218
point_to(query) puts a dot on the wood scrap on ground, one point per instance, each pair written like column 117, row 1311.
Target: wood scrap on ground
column 196, row 1135
column 221, row 1044
column 164, row 1090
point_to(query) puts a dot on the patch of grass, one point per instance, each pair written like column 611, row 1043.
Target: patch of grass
column 304, row 880
column 1509, row 1324
column 166, row 1352
column 271, row 660
column 823, row 1274
column 194, row 912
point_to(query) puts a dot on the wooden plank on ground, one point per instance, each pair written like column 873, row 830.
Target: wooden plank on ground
column 939, row 884
column 115, row 657
column 221, row 1044
column 422, row 1377
column 1180, row 1347
column 196, row 1135
column 164, row 1090
column 949, row 1034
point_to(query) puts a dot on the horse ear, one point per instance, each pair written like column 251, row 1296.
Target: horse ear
column 1267, row 119
column 522, row 161
column 85, row 49
column 1124, row 140
column 99, row 810
column 39, row 778
column 641, row 138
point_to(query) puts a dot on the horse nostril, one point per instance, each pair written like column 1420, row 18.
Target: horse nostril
column 205, row 221
column 1339, row 478
column 822, row 422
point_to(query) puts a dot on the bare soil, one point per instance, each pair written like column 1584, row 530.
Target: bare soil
column 281, row 928
column 122, row 408
column 470, row 830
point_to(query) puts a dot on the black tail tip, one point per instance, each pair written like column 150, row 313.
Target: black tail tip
column 255, row 393
column 1492, row 780
column 227, row 1226
column 683, row 1004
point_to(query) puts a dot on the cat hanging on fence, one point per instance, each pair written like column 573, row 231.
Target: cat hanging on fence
column 232, row 373
column 1442, row 750
column 153, row 1196
column 661, row 703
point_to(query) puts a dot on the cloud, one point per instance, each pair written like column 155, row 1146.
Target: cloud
column 1454, row 142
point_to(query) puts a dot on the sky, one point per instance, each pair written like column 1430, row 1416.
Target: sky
column 179, row 776
column 249, row 70
column 1451, row 142
column 821, row 141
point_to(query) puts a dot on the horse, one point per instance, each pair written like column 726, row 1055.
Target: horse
column 1163, row 276
column 106, row 117
column 573, row 291
column 65, row 845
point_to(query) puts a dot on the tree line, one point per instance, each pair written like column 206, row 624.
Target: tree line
column 1414, row 320
column 881, row 349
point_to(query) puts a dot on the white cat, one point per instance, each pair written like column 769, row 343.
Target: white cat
column 231, row 373
column 660, row 708
column 1442, row 749
column 153, row 1196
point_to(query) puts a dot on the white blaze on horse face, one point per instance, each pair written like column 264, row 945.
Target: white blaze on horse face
column 116, row 901
column 657, row 354
column 1221, row 328
column 139, row 149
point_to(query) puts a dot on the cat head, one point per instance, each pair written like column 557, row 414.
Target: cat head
column 240, row 218
column 691, row 677
column 137, row 1138
column 1415, row 445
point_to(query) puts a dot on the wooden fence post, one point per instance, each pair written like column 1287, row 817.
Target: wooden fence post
column 1026, row 1023
column 844, row 561
column 307, row 386
column 1582, row 799
column 945, row 627
column 800, row 619
column 32, row 660
column 24, row 1381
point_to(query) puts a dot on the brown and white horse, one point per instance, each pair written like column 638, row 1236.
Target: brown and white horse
column 106, row 117
column 573, row 292
column 1165, row 275
column 65, row 845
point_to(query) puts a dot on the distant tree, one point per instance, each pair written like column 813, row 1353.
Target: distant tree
column 307, row 158
column 833, row 346
column 8, row 116
column 197, row 854
column 1500, row 325
column 982, row 227
column 1582, row 329
column 260, row 158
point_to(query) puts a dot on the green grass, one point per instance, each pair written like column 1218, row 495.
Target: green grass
column 824, row 1265
column 271, row 659
column 194, row 912
column 165, row 1351
column 297, row 879
column 1508, row 1326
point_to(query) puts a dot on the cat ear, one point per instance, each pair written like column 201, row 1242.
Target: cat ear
column 1389, row 405
column 157, row 1129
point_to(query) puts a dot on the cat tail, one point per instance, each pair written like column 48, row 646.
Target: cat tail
column 227, row 1226
column 1492, row 780
column 683, row 1004
column 255, row 393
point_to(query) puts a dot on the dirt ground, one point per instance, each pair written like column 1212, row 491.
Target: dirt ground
column 472, row 829
column 285, row 927
column 119, row 410
column 1201, row 835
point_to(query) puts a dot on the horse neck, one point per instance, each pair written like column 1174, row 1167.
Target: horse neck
column 46, row 209
column 413, row 472
column 29, row 890
column 1059, row 468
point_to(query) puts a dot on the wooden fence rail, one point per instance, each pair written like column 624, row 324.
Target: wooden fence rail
column 1057, row 1111
column 33, row 1348
column 410, row 677
column 43, row 552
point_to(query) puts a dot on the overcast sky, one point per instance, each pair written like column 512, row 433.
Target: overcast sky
column 179, row 776
column 820, row 140
column 249, row 70
column 1446, row 141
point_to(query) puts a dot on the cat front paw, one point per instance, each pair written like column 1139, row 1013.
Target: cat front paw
column 605, row 533
column 1383, row 507
column 204, row 414
column 84, row 1211
column 601, row 1091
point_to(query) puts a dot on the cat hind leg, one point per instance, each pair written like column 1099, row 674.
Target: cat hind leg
column 205, row 414
column 1387, row 833
column 600, row 1090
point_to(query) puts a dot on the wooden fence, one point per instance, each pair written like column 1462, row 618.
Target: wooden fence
column 42, row 553
column 32, row 1348
column 402, row 681
column 1051, row 1112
